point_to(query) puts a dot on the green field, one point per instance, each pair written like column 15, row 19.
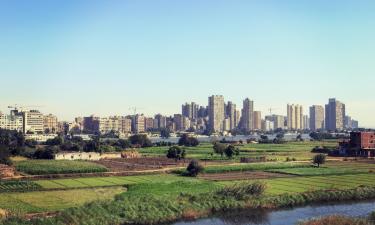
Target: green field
column 279, row 152
column 40, row 167
column 41, row 201
column 18, row 186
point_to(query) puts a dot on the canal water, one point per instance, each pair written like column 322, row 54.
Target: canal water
column 285, row 216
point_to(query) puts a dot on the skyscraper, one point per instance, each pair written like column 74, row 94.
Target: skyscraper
column 257, row 120
column 216, row 113
column 231, row 115
column 316, row 117
column 306, row 122
column 295, row 117
column 248, row 115
column 277, row 120
column 335, row 115
column 190, row 110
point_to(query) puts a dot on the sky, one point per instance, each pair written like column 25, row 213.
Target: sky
column 82, row 57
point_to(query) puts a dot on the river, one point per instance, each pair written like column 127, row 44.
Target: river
column 285, row 216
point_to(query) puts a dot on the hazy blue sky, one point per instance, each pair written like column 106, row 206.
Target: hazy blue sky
column 81, row 57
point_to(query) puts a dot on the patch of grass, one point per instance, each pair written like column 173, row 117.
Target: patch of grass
column 18, row 186
column 253, row 167
column 41, row 167
column 41, row 201
column 314, row 171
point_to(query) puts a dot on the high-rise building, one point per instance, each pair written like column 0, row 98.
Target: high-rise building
column 257, row 120
column 33, row 121
column 277, row 120
column 149, row 123
column 138, row 124
column 306, row 122
column 248, row 115
column 190, row 110
column 316, row 117
column 160, row 121
column 178, row 120
column 11, row 122
column 50, row 123
column 295, row 117
column 91, row 124
column 216, row 113
column 335, row 115
column 231, row 115
column 267, row 125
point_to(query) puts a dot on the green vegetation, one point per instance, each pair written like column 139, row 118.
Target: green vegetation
column 337, row 220
column 193, row 169
column 18, row 186
column 319, row 159
column 254, row 167
column 175, row 152
column 273, row 152
column 39, row 167
column 41, row 201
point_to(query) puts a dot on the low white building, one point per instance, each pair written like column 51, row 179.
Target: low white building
column 40, row 137
column 91, row 156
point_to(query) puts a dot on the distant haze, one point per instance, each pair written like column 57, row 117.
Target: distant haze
column 82, row 57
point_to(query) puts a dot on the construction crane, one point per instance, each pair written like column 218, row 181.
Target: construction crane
column 23, row 107
column 271, row 110
column 134, row 110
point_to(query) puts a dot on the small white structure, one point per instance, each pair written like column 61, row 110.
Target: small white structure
column 91, row 156
column 40, row 137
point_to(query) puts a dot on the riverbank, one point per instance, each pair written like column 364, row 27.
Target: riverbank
column 149, row 204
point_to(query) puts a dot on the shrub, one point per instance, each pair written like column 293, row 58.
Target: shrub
column 175, row 152
column 242, row 191
column 185, row 140
column 194, row 168
column 319, row 159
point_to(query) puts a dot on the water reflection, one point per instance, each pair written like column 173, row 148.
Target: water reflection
column 241, row 217
column 285, row 216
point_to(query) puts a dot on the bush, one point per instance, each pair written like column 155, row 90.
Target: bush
column 244, row 190
column 185, row 140
column 336, row 220
column 175, row 152
column 230, row 150
column 193, row 169
column 140, row 140
column 319, row 159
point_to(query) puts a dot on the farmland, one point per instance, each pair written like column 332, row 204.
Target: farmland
column 40, row 167
column 42, row 201
column 279, row 152
column 169, row 195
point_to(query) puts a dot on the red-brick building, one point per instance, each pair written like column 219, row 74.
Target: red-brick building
column 360, row 144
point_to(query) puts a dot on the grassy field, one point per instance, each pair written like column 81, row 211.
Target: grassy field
column 297, row 150
column 18, row 186
column 40, row 167
column 41, row 201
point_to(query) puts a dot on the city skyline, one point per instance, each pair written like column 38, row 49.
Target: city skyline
column 82, row 57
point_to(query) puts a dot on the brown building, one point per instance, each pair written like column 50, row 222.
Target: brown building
column 360, row 144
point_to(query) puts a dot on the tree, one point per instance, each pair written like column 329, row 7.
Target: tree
column 55, row 141
column 122, row 143
column 319, row 159
column 176, row 152
column 194, row 168
column 5, row 156
column 165, row 133
column 230, row 150
column 219, row 148
column 141, row 140
column 47, row 153
column 186, row 140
